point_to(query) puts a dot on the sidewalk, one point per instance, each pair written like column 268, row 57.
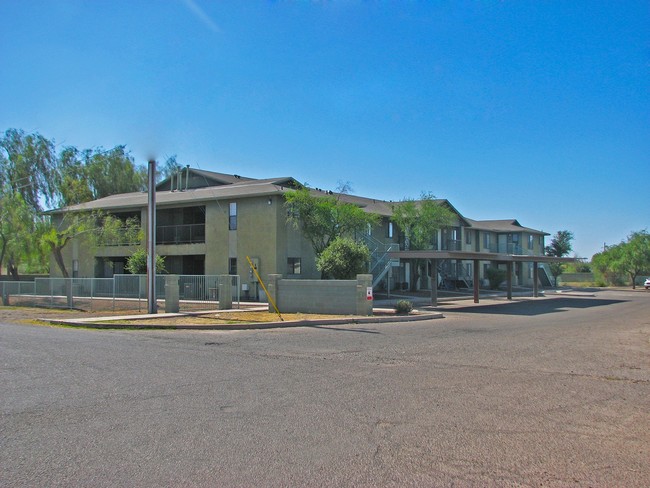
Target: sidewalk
column 381, row 315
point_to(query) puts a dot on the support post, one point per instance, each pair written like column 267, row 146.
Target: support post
column 476, row 280
column 152, row 305
column 535, row 280
column 224, row 285
column 509, row 280
column 434, row 282
column 172, row 303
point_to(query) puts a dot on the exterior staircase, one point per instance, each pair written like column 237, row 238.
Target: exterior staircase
column 545, row 275
column 380, row 262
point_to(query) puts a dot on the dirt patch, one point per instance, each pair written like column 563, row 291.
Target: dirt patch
column 221, row 318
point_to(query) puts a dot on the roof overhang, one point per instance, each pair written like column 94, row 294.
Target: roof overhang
column 478, row 256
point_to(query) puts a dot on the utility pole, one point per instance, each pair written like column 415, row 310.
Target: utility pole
column 152, row 306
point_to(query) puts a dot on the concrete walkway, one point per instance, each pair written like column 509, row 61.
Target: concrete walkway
column 381, row 315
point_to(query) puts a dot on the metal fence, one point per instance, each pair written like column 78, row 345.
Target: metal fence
column 121, row 292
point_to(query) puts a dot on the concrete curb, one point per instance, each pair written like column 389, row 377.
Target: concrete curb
column 88, row 323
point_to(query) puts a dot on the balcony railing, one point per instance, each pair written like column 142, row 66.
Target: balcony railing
column 125, row 237
column 180, row 234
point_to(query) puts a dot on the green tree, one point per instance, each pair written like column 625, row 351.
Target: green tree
column 607, row 263
column 92, row 228
column 419, row 222
column 630, row 258
column 343, row 259
column 323, row 219
column 636, row 255
column 137, row 262
column 16, row 232
column 98, row 173
column 560, row 246
column 28, row 166
column 168, row 168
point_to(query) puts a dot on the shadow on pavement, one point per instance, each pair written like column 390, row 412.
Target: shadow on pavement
column 343, row 329
column 534, row 308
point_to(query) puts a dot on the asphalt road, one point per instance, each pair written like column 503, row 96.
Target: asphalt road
column 553, row 392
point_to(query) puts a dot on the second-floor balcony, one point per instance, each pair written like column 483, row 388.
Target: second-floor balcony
column 125, row 236
column 180, row 234
column 452, row 245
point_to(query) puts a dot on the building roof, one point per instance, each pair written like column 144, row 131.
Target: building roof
column 506, row 225
column 204, row 186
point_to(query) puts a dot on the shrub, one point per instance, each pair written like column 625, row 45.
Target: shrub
column 495, row 276
column 137, row 262
column 343, row 259
column 403, row 307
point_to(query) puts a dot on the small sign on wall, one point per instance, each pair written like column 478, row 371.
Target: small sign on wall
column 369, row 293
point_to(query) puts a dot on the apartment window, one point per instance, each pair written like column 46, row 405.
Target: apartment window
column 541, row 242
column 232, row 266
column 530, row 241
column 390, row 230
column 468, row 236
column 232, row 214
column 486, row 240
column 293, row 266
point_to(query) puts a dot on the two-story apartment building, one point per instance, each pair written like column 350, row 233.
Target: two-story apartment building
column 208, row 223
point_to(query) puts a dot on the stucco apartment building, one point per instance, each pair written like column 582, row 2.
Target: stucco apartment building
column 208, row 223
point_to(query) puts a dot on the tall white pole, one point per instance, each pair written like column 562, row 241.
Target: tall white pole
column 152, row 307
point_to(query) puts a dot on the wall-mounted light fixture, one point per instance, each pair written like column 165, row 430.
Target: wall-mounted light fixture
column 270, row 201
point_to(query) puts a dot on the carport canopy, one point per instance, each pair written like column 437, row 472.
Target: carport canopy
column 476, row 258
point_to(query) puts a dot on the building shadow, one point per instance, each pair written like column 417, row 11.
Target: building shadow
column 531, row 307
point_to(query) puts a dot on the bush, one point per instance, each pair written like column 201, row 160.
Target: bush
column 137, row 262
column 343, row 259
column 403, row 307
column 495, row 276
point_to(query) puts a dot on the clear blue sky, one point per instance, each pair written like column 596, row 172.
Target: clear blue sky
column 535, row 110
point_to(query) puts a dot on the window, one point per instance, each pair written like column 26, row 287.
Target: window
column 486, row 240
column 390, row 230
column 468, row 236
column 232, row 266
column 530, row 241
column 293, row 266
column 232, row 213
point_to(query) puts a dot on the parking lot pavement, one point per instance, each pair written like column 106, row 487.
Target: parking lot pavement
column 530, row 393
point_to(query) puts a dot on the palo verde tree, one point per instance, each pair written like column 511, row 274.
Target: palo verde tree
column 630, row 258
column 559, row 247
column 419, row 222
column 92, row 228
column 324, row 218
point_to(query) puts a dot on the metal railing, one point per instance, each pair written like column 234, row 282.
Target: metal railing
column 121, row 292
column 180, row 234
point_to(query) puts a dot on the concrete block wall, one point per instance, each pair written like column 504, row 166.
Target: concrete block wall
column 343, row 297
